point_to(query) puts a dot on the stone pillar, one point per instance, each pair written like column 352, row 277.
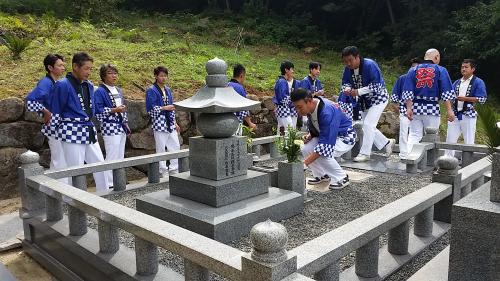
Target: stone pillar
column 195, row 272
column 399, row 238
column 329, row 273
column 54, row 208
column 33, row 201
column 423, row 162
column 291, row 176
column 431, row 135
column 467, row 158
column 108, row 237
column 119, row 179
column 183, row 164
column 273, row 150
column 424, row 223
column 154, row 172
column 446, row 172
column 359, row 138
column 257, row 150
column 367, row 259
column 477, row 183
column 495, row 178
column 268, row 260
column 78, row 219
column 146, row 257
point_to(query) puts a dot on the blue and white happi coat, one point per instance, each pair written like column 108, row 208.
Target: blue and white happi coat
column 397, row 94
column 241, row 115
column 112, row 124
column 72, row 122
column 38, row 100
column 369, row 76
column 162, row 120
column 284, row 106
column 310, row 84
column 350, row 106
column 477, row 89
column 426, row 85
column 333, row 124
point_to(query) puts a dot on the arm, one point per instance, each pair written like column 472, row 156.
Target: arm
column 447, row 92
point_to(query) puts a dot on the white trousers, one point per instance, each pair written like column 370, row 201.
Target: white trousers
column 465, row 127
column 404, row 128
column 285, row 121
column 57, row 160
column 326, row 165
column 77, row 154
column 115, row 149
column 171, row 142
column 371, row 135
column 417, row 127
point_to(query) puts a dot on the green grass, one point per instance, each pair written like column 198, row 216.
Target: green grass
column 136, row 44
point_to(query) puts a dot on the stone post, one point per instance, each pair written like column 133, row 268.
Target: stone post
column 495, row 178
column 367, row 259
column 108, row 237
column 257, row 150
column 359, row 137
column 273, row 150
column 399, row 238
column 268, row 260
column 154, row 172
column 432, row 136
column 424, row 223
column 33, row 201
column 146, row 257
column 54, row 210
column 329, row 273
column 446, row 172
column 78, row 219
column 195, row 272
column 291, row 177
column 183, row 164
column 119, row 179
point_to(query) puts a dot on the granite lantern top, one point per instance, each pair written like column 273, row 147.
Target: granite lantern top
column 216, row 96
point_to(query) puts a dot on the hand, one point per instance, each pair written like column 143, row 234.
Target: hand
column 177, row 128
column 307, row 162
column 306, row 138
column 451, row 116
column 119, row 109
column 409, row 114
column 129, row 132
column 461, row 98
column 354, row 92
column 168, row 107
column 252, row 126
column 46, row 117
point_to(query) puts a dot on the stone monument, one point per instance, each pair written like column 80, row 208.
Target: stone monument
column 219, row 197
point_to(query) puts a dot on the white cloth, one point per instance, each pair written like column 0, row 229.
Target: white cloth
column 171, row 142
column 77, row 154
column 417, row 127
column 465, row 127
column 314, row 116
column 326, row 165
column 371, row 135
column 115, row 149
column 462, row 91
column 404, row 128
column 57, row 159
column 290, row 84
column 285, row 121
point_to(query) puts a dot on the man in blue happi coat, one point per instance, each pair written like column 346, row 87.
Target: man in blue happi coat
column 285, row 112
column 426, row 85
column 161, row 110
column 469, row 90
column 72, row 104
column 404, row 122
column 363, row 80
column 330, row 135
column 239, row 75
column 38, row 101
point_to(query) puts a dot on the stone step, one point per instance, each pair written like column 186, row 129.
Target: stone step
column 435, row 270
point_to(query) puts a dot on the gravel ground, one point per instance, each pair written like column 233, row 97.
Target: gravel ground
column 325, row 212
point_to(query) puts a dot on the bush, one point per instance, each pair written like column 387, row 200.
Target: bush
column 287, row 144
column 15, row 44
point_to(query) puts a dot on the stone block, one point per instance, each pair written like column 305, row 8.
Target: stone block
column 218, row 159
column 218, row 193
column 474, row 241
column 136, row 110
column 11, row 109
column 21, row 134
column 291, row 176
column 143, row 139
column 225, row 223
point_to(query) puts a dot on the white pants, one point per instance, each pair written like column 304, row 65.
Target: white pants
column 57, row 160
column 417, row 128
column 115, row 149
column 326, row 165
column 171, row 142
column 371, row 135
column 465, row 127
column 77, row 154
column 404, row 128
column 285, row 121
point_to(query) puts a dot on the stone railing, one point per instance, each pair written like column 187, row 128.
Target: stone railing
column 43, row 216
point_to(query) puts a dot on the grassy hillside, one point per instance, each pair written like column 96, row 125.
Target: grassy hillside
column 136, row 44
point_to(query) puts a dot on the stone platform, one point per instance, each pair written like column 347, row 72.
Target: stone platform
column 381, row 164
column 225, row 223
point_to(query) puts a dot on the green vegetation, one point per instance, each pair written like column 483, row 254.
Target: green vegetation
column 287, row 144
column 137, row 43
column 15, row 44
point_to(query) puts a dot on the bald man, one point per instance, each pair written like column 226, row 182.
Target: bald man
column 425, row 86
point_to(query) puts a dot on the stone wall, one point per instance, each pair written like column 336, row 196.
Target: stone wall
column 20, row 130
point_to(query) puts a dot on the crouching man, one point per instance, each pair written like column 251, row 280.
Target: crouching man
column 330, row 135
